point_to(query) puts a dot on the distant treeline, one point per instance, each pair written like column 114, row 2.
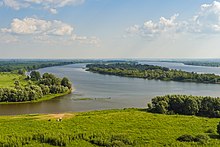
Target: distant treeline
column 9, row 66
column 152, row 72
column 36, row 88
column 21, row 66
column 187, row 105
column 195, row 63
column 200, row 63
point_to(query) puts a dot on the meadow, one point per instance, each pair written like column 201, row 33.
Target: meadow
column 7, row 79
column 128, row 127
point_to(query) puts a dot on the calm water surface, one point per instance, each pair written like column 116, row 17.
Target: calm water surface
column 109, row 92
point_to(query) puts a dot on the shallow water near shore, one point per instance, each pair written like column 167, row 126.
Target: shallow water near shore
column 96, row 92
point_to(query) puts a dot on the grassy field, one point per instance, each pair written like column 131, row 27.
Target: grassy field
column 129, row 127
column 7, row 79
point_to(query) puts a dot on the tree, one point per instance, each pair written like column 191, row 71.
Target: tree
column 21, row 71
column 17, row 84
column 35, row 75
column 66, row 83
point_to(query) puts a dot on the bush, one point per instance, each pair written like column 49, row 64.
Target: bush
column 218, row 128
column 201, row 138
column 186, row 138
column 189, row 138
column 210, row 131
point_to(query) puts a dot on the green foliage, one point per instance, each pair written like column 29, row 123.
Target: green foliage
column 201, row 138
column 152, row 72
column 33, row 90
column 218, row 128
column 129, row 127
column 189, row 138
column 186, row 138
column 20, row 66
column 35, row 75
column 66, row 83
column 187, row 105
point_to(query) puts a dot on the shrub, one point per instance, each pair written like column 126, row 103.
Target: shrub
column 201, row 138
column 218, row 128
column 186, row 138
column 210, row 131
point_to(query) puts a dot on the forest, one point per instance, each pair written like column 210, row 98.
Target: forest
column 34, row 87
column 152, row 72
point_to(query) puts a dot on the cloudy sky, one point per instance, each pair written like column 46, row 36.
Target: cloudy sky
column 109, row 29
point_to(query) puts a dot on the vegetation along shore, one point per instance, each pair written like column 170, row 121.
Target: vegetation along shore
column 152, row 72
column 34, row 88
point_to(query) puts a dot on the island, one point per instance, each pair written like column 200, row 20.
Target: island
column 152, row 72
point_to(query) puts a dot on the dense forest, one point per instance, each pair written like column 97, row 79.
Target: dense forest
column 152, row 72
column 38, row 86
column 187, row 105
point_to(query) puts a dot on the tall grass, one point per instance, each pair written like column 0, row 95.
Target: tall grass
column 129, row 127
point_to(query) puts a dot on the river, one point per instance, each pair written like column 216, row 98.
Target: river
column 112, row 92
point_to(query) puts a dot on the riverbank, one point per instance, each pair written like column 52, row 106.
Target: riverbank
column 128, row 127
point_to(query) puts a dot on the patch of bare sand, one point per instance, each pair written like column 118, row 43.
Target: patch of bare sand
column 55, row 116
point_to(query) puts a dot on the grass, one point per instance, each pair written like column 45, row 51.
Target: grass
column 7, row 79
column 86, row 99
column 129, row 127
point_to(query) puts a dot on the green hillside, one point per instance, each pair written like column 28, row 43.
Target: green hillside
column 129, row 127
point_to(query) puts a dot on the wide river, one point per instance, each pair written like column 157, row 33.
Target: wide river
column 112, row 92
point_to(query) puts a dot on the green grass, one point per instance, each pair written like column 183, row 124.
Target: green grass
column 7, row 79
column 86, row 99
column 129, row 127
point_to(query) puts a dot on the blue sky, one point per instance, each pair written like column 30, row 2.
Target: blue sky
column 109, row 29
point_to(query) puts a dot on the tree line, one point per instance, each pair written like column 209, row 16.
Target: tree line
column 38, row 86
column 22, row 66
column 186, row 105
column 152, row 72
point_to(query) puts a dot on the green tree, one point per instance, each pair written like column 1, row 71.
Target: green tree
column 66, row 83
column 35, row 75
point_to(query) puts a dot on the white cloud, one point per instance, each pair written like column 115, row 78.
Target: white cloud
column 7, row 38
column 15, row 4
column 50, row 5
column 53, row 11
column 206, row 21
column 86, row 40
column 38, row 26
column 208, row 18
column 150, row 28
column 45, row 31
